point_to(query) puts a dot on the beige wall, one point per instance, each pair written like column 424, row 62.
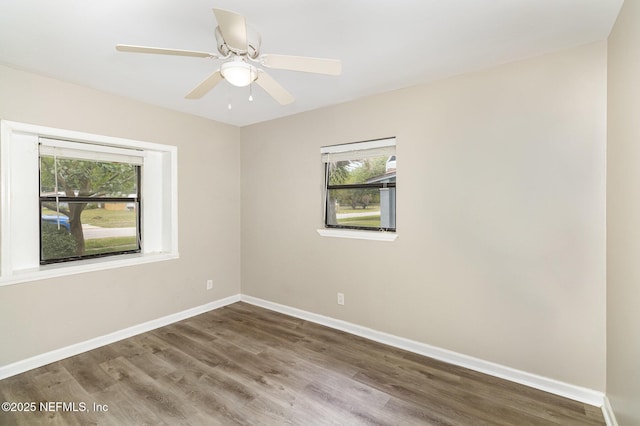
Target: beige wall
column 501, row 216
column 623, row 217
column 40, row 316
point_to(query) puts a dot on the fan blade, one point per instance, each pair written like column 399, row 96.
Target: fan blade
column 161, row 51
column 274, row 89
column 302, row 63
column 233, row 28
column 206, row 85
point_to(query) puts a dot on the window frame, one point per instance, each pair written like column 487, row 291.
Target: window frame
column 348, row 231
column 48, row 150
column 19, row 241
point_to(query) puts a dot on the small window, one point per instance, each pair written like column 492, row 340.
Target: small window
column 360, row 185
column 89, row 201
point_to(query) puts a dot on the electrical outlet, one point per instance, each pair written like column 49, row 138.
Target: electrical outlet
column 209, row 284
column 340, row 298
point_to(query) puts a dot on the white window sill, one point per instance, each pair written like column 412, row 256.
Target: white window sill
column 82, row 266
column 359, row 235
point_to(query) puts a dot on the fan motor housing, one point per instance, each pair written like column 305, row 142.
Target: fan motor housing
column 253, row 44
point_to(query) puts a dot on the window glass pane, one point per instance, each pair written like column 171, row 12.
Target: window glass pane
column 88, row 229
column 82, row 178
column 359, row 170
column 354, row 207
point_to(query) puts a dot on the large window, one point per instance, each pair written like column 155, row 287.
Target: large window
column 89, row 201
column 360, row 185
column 73, row 202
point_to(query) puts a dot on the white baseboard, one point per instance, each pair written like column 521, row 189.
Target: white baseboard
column 607, row 412
column 576, row 393
column 62, row 353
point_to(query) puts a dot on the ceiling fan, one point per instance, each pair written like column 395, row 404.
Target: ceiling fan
column 239, row 46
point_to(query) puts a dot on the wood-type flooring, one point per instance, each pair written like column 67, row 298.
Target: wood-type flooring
column 242, row 364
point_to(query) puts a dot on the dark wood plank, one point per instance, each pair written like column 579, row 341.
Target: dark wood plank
column 246, row 365
column 148, row 393
column 83, row 368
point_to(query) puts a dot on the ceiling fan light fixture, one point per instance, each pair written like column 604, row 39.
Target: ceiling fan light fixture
column 239, row 73
column 237, row 43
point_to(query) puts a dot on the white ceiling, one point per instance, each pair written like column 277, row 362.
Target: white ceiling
column 383, row 45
